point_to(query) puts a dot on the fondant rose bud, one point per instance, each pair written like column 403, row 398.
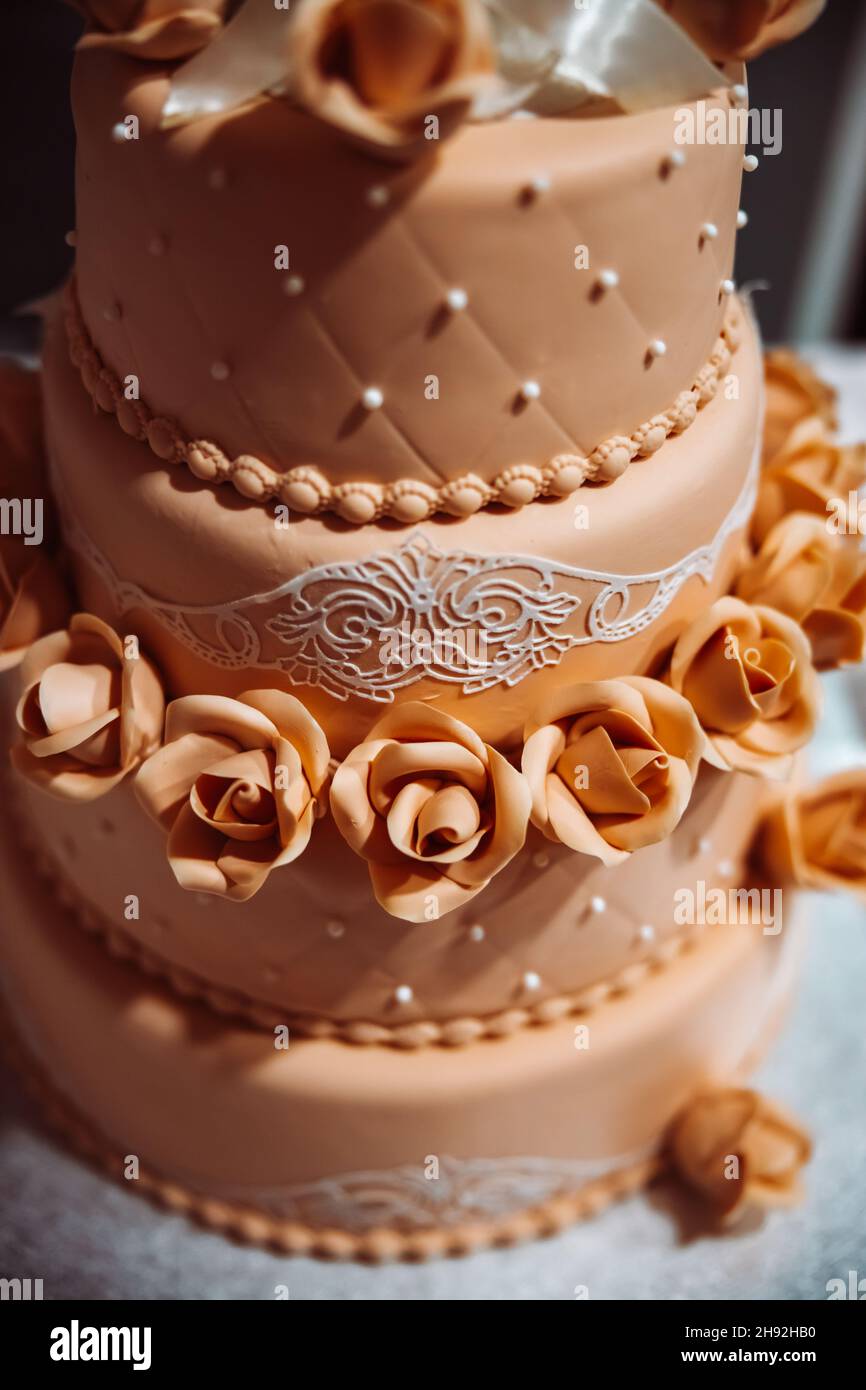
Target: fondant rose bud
column 380, row 68
column 33, row 599
column 611, row 765
column 434, row 811
column 237, row 785
column 814, row 576
column 742, row 28
column 738, row 1151
column 162, row 30
column 793, row 393
column 817, row 838
column 91, row 710
column 810, row 473
column 748, row 674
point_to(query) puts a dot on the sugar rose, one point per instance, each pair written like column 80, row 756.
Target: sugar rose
column 739, row 1150
column 810, row 473
column 379, row 68
column 611, row 765
column 747, row 673
column 434, row 811
column 33, row 598
column 162, row 30
column 91, row 710
column 816, row 577
column 237, row 785
column 793, row 393
column 817, row 837
column 742, row 28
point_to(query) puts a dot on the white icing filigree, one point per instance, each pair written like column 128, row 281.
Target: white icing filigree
column 374, row 626
column 445, row 1192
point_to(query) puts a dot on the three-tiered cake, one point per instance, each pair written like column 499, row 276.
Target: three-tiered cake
column 432, row 667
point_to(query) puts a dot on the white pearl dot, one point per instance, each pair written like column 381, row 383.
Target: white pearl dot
column 608, row 279
column 742, row 218
column 532, row 980
column 220, row 371
column 373, row 398
column 598, row 904
column 457, row 300
column 403, row 994
column 676, row 159
column 157, row 245
column 335, row 930
column 726, row 868
column 739, row 91
column 111, row 313
column 540, row 184
column 477, row 932
column 541, row 859
column 727, row 287
column 217, row 179
column 293, row 285
column 378, row 196
column 647, row 932
column 530, row 390
column 750, row 163
column 71, row 238
column 120, row 132
column 709, row 230
column 657, row 347
column 705, row 844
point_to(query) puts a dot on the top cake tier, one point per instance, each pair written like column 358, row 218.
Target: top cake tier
column 534, row 289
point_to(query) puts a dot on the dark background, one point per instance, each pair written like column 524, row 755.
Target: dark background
column 814, row 80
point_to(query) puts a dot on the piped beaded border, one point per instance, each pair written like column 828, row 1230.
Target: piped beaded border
column 456, row 1032
column 305, row 490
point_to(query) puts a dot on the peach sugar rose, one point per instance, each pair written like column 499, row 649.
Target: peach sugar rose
column 809, row 473
column 739, row 1150
column 817, row 837
column 237, row 786
column 611, row 765
column 748, row 674
column 817, row 578
column 434, row 811
column 742, row 28
column 91, row 710
column 794, row 391
column 378, row 68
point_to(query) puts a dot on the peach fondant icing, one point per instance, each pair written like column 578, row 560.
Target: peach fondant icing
column 670, row 530
column 390, row 784
column 178, row 235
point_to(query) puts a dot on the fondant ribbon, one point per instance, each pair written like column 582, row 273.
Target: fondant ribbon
column 552, row 56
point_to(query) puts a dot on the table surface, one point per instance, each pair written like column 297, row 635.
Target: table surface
column 87, row 1237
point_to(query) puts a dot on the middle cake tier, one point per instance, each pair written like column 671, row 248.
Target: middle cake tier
column 482, row 616
column 554, row 933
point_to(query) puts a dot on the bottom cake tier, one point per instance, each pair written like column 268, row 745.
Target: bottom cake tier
column 327, row 1147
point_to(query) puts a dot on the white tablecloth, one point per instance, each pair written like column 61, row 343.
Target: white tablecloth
column 88, row 1238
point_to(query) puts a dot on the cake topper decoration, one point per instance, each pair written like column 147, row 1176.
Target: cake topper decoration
column 397, row 74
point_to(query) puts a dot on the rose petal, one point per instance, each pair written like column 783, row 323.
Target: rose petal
column 163, row 783
column 72, row 695
column 400, row 762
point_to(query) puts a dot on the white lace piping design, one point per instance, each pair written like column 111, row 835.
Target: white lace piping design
column 441, row 1192
column 370, row 628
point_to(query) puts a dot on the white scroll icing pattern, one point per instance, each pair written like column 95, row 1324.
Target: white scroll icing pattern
column 329, row 626
column 464, row 1190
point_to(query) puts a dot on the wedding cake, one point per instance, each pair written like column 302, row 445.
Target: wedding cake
column 449, row 579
